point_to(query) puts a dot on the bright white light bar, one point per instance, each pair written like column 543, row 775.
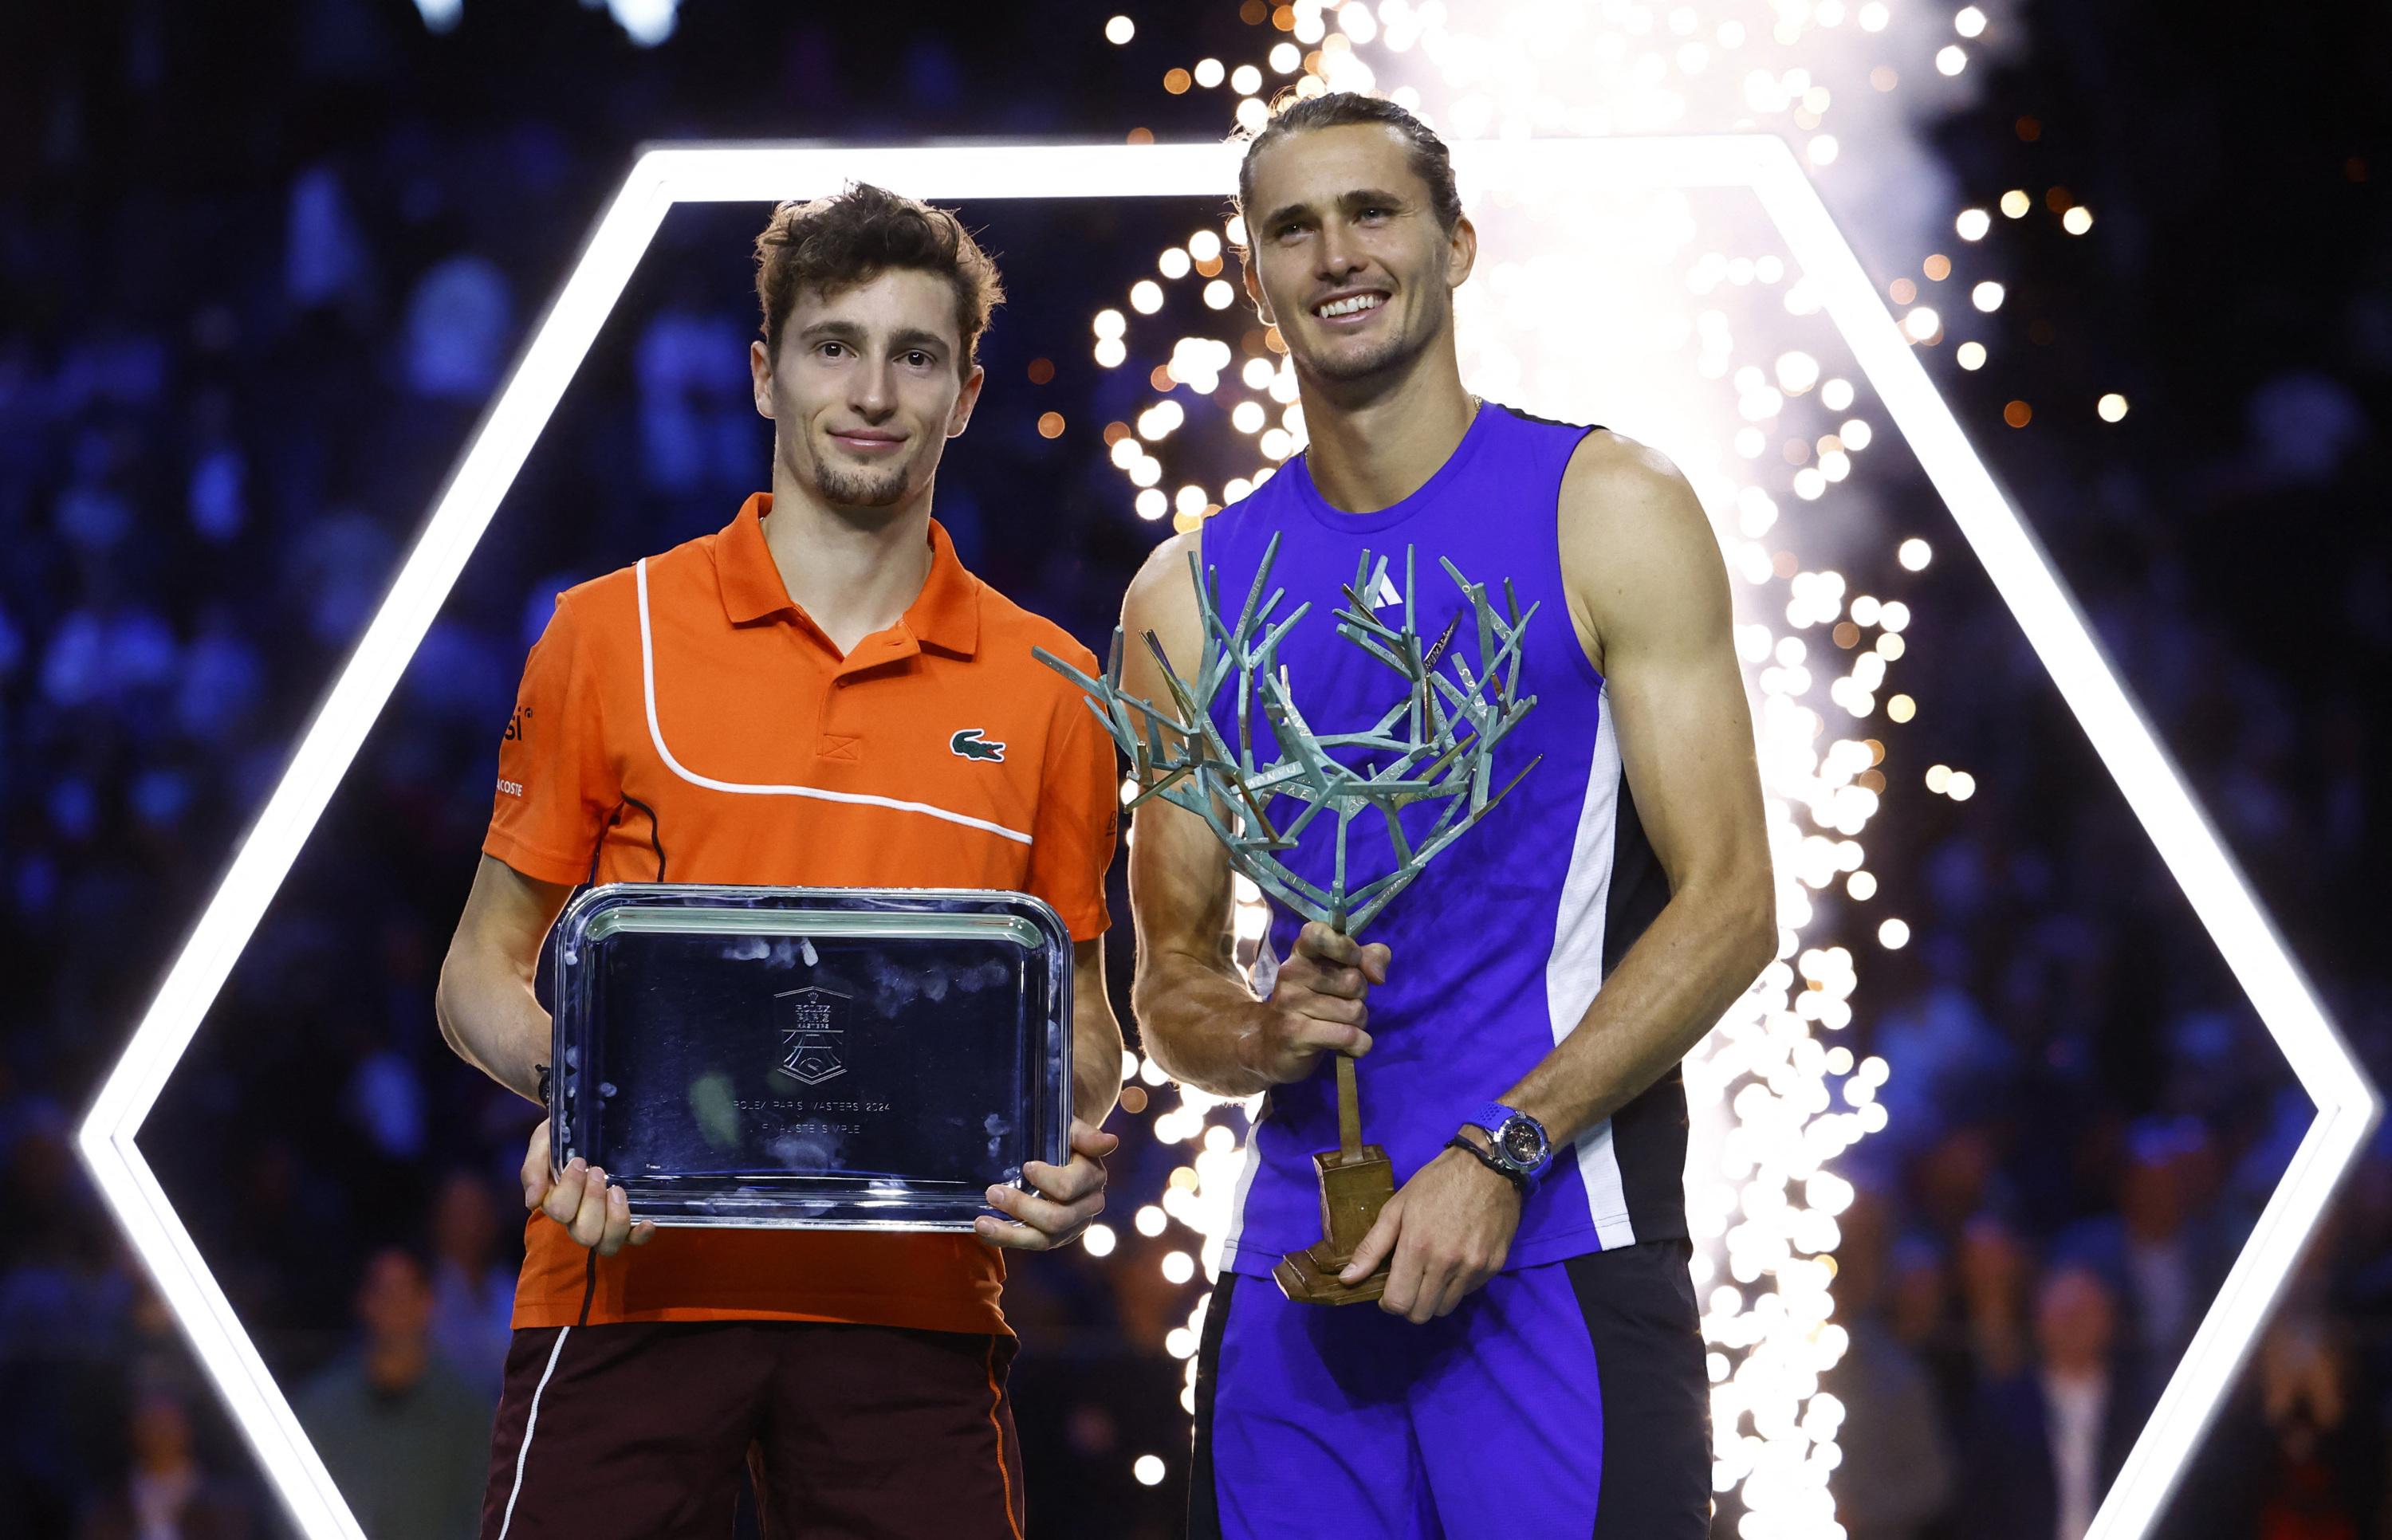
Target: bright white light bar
column 761, row 173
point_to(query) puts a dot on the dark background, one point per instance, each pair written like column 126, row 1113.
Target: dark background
column 262, row 266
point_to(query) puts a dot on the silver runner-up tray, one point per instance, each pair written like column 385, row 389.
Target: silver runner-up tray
column 833, row 1058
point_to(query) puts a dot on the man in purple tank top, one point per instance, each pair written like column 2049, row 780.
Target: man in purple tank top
column 1535, row 1366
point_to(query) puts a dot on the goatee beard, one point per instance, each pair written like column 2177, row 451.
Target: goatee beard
column 860, row 488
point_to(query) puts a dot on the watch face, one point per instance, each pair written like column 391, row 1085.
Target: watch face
column 1521, row 1143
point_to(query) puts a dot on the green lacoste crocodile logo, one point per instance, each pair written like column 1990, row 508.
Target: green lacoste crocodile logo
column 971, row 745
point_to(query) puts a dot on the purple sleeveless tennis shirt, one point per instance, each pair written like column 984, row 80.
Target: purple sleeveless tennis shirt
column 1497, row 947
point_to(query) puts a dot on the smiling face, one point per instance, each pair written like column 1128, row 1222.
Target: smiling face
column 1346, row 256
column 869, row 386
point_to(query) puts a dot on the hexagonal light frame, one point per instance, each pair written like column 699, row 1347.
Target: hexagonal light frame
column 761, row 173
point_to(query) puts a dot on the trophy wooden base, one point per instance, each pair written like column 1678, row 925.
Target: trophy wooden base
column 1354, row 1186
column 1310, row 1279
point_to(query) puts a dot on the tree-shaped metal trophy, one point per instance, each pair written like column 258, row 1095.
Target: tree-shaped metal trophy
column 1434, row 742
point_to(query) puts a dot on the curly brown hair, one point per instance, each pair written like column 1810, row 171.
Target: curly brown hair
column 832, row 245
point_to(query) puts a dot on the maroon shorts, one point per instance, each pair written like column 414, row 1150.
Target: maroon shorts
column 642, row 1431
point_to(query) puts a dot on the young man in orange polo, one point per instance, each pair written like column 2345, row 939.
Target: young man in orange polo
column 818, row 694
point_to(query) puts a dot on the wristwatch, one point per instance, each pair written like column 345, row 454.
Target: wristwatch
column 1520, row 1149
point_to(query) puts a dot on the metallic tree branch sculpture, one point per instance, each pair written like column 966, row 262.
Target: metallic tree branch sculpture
column 1438, row 735
column 1434, row 742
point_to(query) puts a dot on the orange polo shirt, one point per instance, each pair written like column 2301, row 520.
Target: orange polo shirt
column 684, row 720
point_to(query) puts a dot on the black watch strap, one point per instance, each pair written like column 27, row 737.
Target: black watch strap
column 1462, row 1142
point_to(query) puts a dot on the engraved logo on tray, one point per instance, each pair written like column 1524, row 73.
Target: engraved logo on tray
column 814, row 1033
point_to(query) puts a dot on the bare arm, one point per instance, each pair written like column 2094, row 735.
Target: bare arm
column 484, row 1004
column 1096, row 1036
column 490, row 1016
column 1649, row 593
column 1200, row 1021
